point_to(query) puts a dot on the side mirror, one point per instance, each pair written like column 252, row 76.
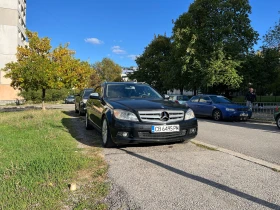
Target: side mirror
column 94, row 96
column 166, row 96
column 209, row 102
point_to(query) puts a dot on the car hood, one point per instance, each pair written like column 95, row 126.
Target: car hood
column 144, row 104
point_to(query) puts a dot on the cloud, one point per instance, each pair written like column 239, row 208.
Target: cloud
column 93, row 41
column 118, row 50
column 132, row 57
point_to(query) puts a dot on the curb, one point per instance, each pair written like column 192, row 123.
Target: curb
column 272, row 166
column 261, row 121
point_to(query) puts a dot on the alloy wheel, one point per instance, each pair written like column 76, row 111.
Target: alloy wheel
column 104, row 132
column 217, row 115
column 86, row 120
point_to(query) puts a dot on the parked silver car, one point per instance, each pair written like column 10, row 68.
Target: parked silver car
column 180, row 99
column 69, row 99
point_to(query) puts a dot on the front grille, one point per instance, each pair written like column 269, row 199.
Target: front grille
column 242, row 109
column 154, row 116
column 149, row 135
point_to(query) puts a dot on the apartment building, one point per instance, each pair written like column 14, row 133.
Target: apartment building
column 12, row 34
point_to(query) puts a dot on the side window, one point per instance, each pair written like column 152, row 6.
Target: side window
column 185, row 98
column 99, row 90
column 204, row 99
column 194, row 99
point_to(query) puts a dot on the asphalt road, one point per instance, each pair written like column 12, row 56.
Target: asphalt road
column 257, row 140
column 185, row 176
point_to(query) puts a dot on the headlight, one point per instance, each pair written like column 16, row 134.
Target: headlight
column 125, row 115
column 189, row 114
column 230, row 110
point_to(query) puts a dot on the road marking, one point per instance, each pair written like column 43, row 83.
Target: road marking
column 272, row 166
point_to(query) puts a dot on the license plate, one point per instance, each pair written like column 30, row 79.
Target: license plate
column 165, row 128
column 244, row 115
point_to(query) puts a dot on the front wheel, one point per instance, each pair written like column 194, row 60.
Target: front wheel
column 278, row 121
column 88, row 125
column 106, row 136
column 81, row 113
column 76, row 110
column 217, row 115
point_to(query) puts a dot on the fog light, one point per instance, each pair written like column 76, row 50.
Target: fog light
column 192, row 130
column 125, row 134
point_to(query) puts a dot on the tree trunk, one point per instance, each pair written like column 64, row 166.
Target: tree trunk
column 181, row 91
column 194, row 91
column 43, row 99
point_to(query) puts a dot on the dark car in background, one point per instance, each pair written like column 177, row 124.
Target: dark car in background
column 131, row 112
column 277, row 117
column 218, row 107
column 181, row 99
column 69, row 99
column 81, row 100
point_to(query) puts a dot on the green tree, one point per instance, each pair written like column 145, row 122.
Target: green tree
column 151, row 63
column 106, row 70
column 33, row 69
column 211, row 39
column 272, row 37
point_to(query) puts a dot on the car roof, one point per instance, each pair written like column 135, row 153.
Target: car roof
column 130, row 83
column 209, row 95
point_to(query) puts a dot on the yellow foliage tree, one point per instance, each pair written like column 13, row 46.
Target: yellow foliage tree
column 39, row 68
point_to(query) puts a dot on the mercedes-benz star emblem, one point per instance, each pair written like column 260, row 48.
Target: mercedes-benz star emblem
column 164, row 116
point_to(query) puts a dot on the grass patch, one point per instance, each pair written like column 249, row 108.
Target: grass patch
column 39, row 159
column 275, row 169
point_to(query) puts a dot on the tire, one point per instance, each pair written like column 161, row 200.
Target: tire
column 106, row 135
column 88, row 125
column 76, row 110
column 217, row 115
column 278, row 121
column 81, row 113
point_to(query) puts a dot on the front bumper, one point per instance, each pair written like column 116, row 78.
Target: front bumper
column 139, row 132
column 237, row 115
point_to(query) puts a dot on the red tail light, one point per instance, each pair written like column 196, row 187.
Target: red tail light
column 176, row 101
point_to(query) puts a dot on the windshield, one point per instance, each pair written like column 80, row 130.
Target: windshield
column 131, row 91
column 87, row 92
column 220, row 100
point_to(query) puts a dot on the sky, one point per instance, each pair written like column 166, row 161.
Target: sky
column 121, row 29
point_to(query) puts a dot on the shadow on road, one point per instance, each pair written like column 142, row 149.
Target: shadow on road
column 207, row 181
column 245, row 124
column 75, row 125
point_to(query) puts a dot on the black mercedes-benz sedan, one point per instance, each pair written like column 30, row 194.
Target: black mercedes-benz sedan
column 131, row 113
